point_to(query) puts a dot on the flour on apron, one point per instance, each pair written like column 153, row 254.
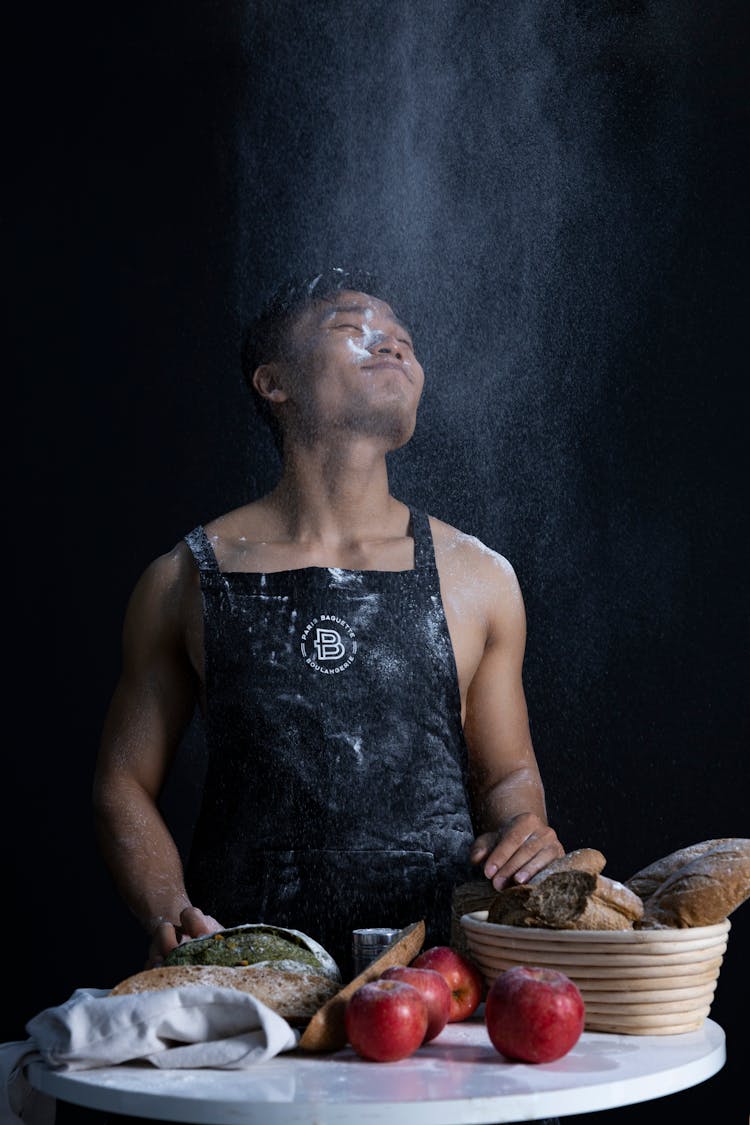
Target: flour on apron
column 335, row 794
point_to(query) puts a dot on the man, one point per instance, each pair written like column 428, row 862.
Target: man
column 358, row 665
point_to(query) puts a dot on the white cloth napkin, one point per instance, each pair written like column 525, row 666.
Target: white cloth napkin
column 194, row 1026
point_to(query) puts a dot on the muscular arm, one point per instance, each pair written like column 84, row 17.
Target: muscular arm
column 151, row 707
column 515, row 840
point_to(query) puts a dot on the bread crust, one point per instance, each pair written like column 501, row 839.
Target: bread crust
column 581, row 859
column 620, row 897
column 704, row 891
column 294, row 994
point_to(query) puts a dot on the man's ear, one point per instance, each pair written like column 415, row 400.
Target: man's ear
column 267, row 382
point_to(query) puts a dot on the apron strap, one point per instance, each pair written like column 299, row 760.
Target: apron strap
column 424, row 549
column 202, row 551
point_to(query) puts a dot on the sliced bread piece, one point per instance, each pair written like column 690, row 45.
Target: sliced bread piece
column 568, row 900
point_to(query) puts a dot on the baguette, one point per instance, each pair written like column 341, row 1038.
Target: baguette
column 650, row 878
column 326, row 1031
column 568, row 900
column 295, row 993
column 704, row 891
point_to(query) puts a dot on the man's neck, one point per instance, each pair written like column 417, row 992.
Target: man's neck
column 334, row 497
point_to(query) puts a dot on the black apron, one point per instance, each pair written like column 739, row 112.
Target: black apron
column 335, row 793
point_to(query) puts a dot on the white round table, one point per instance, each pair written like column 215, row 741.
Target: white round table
column 456, row 1079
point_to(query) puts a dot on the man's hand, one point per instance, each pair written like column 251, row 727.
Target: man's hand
column 166, row 937
column 516, row 851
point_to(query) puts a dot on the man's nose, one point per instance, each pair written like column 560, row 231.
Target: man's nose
column 384, row 344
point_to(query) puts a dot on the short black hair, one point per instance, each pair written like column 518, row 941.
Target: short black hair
column 266, row 335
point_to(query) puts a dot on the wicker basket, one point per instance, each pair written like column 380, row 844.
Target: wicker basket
column 635, row 982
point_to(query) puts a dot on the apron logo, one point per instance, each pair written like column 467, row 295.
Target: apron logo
column 328, row 644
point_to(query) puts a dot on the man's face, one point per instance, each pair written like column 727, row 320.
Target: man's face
column 352, row 366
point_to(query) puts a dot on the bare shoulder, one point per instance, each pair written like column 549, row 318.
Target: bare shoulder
column 166, row 588
column 465, row 554
column 476, row 575
column 170, row 572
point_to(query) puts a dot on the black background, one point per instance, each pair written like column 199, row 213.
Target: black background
column 557, row 193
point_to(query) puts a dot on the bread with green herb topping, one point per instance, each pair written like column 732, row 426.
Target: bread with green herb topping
column 254, row 944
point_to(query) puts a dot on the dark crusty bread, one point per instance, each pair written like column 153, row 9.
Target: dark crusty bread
column 296, row 994
column 568, row 900
column 479, row 894
column 704, row 890
column 468, row 897
column 514, row 906
column 582, row 859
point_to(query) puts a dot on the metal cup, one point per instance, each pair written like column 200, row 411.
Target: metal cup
column 368, row 944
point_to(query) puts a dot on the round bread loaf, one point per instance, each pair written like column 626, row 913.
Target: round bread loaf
column 293, row 991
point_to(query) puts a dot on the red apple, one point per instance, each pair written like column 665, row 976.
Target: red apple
column 463, row 978
column 433, row 987
column 386, row 1020
column 534, row 1014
